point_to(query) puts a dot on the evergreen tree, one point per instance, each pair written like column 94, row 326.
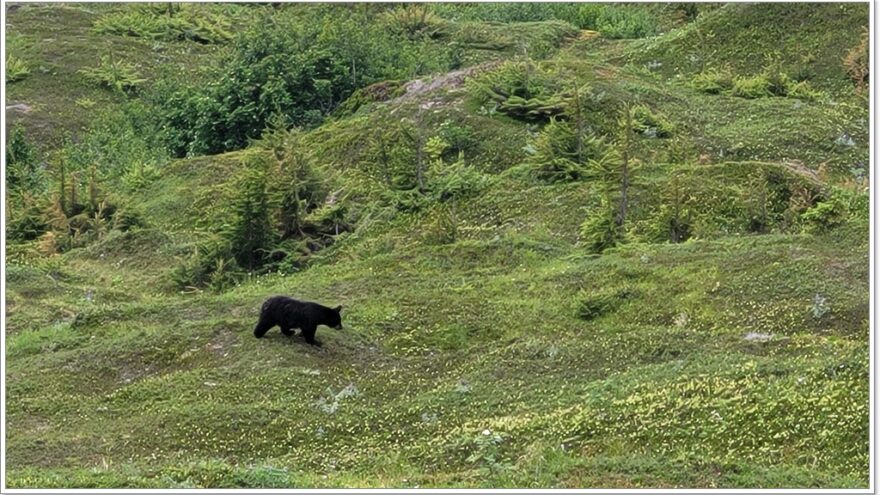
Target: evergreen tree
column 251, row 236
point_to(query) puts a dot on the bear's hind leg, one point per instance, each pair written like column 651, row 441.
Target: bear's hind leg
column 262, row 327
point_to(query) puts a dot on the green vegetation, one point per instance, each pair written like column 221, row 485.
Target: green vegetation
column 810, row 44
column 114, row 74
column 767, row 84
column 577, row 245
column 16, row 69
column 169, row 22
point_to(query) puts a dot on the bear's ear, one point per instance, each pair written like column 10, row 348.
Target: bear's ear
column 337, row 308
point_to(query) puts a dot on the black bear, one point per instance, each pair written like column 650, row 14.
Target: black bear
column 288, row 313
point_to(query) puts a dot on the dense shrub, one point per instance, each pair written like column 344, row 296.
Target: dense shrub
column 802, row 90
column 824, row 216
column 616, row 21
column 455, row 180
column 300, row 65
column 211, row 264
column 22, row 170
column 250, row 233
column 119, row 142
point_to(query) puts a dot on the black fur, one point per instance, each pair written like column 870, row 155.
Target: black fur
column 288, row 313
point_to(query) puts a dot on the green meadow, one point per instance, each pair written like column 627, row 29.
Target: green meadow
column 576, row 245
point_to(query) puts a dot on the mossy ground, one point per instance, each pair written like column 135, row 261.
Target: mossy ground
column 465, row 362
column 56, row 41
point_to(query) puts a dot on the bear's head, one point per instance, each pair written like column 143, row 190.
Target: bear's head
column 336, row 318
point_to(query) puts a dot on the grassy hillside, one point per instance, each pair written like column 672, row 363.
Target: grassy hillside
column 807, row 42
column 721, row 341
column 55, row 42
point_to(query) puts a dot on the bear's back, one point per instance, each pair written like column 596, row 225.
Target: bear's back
column 283, row 308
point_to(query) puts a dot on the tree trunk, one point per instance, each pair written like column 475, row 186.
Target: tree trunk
column 624, row 179
column 62, row 192
column 386, row 167
column 93, row 190
column 420, row 163
column 624, row 191
column 579, row 121
column 420, row 152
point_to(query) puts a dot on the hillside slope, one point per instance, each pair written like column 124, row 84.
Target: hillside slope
column 485, row 345
column 807, row 41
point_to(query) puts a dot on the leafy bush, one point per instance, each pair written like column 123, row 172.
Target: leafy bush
column 22, row 170
column 119, row 142
column 250, row 234
column 79, row 213
column 780, row 82
column 506, row 12
column 616, row 21
column 612, row 20
column 823, row 217
column 117, row 75
column 299, row 65
column 16, row 69
column 673, row 220
column 460, row 138
column 210, row 265
column 442, row 225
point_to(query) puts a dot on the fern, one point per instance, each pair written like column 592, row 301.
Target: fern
column 16, row 69
column 114, row 74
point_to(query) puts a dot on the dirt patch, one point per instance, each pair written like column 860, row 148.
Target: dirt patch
column 222, row 342
column 801, row 169
column 19, row 108
column 758, row 337
column 450, row 80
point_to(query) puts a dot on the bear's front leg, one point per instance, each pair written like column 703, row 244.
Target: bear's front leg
column 309, row 333
column 287, row 331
